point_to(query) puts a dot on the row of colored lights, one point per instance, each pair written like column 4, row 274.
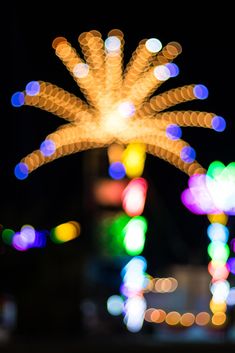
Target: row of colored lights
column 134, row 194
column 174, row 318
column 221, row 265
column 135, row 280
column 131, row 161
column 213, row 194
column 218, row 251
column 28, row 237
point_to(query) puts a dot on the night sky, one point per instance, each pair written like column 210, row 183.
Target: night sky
column 57, row 192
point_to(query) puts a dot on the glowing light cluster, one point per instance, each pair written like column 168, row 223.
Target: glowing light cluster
column 120, row 106
column 25, row 239
column 212, row 193
column 28, row 237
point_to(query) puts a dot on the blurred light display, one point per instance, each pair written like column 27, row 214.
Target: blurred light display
column 134, row 278
column 133, row 159
column 120, row 109
column 65, row 232
column 219, row 269
column 212, row 193
column 134, row 196
column 174, row 318
column 161, row 285
column 119, row 106
column 221, row 185
column 134, row 238
column 28, row 237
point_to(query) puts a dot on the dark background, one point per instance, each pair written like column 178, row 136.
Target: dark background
column 49, row 283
